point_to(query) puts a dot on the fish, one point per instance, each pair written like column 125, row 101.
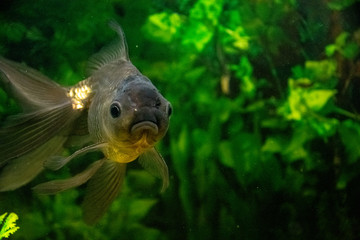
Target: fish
column 116, row 110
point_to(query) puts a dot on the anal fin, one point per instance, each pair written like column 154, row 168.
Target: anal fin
column 102, row 189
column 57, row 186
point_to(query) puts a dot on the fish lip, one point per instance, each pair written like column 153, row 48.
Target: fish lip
column 142, row 126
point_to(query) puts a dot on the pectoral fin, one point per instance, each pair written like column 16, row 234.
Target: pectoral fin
column 154, row 163
column 57, row 162
column 57, row 186
column 102, row 189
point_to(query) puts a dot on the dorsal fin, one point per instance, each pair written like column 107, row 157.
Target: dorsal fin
column 118, row 50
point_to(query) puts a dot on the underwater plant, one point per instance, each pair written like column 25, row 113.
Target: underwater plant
column 265, row 142
column 8, row 224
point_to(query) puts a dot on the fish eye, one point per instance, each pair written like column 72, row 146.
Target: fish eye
column 115, row 110
column 169, row 110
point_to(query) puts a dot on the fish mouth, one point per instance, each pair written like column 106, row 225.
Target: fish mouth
column 145, row 126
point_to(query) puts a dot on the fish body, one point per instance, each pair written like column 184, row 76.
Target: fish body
column 116, row 110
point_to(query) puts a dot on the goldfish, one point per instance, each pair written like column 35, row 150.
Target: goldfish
column 116, row 110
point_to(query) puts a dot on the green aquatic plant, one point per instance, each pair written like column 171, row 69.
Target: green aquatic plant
column 264, row 140
column 8, row 224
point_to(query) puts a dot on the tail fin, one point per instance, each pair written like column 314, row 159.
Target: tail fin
column 26, row 132
column 33, row 90
column 28, row 139
column 23, row 169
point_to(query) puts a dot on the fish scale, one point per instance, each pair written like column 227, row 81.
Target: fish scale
column 80, row 95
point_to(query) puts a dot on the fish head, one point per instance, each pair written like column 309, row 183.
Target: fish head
column 137, row 116
column 126, row 112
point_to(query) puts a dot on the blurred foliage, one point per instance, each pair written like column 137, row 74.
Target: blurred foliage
column 264, row 142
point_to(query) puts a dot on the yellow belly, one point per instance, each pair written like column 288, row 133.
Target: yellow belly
column 120, row 157
column 128, row 154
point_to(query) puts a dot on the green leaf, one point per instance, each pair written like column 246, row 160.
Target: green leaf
column 320, row 70
column 206, row 10
column 203, row 35
column 244, row 72
column 340, row 4
column 295, row 149
column 180, row 152
column 13, row 31
column 163, row 26
column 9, row 226
column 351, row 50
column 239, row 38
column 298, row 72
column 2, row 218
column 325, row 127
column 302, row 100
column 274, row 145
column 345, row 45
column 244, row 68
column 248, row 86
column 330, row 50
column 350, row 136
column 341, row 39
column 316, row 99
column 247, row 156
column 226, row 154
column 201, row 23
column 140, row 207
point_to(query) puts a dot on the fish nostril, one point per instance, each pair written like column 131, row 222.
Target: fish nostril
column 144, row 114
column 157, row 103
